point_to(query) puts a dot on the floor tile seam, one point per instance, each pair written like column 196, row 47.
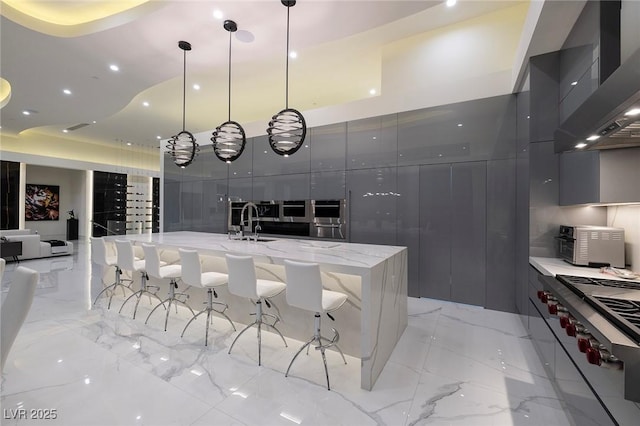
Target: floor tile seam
column 219, row 411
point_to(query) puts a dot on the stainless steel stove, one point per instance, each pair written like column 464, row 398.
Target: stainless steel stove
column 604, row 316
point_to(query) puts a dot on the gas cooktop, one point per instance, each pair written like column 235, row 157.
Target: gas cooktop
column 616, row 300
column 603, row 282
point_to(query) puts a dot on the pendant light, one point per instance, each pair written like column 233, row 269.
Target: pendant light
column 183, row 147
column 229, row 138
column 287, row 129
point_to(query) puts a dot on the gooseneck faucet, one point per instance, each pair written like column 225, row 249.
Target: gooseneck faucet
column 250, row 220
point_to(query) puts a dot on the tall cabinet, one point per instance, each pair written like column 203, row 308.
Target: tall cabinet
column 453, row 232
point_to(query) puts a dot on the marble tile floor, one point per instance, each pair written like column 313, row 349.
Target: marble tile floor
column 454, row 365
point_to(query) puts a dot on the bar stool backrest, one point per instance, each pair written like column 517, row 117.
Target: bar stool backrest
column 304, row 285
column 99, row 251
column 151, row 260
column 126, row 257
column 191, row 269
column 242, row 276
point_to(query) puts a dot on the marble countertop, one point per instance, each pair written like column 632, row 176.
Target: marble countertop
column 553, row 266
column 349, row 255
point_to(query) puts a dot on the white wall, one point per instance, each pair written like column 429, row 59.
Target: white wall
column 628, row 217
column 72, row 197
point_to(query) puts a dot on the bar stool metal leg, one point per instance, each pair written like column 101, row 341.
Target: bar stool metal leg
column 143, row 290
column 208, row 310
column 112, row 288
column 169, row 300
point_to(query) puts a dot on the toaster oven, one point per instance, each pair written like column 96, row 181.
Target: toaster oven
column 594, row 246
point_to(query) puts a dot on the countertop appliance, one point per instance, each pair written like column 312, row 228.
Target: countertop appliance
column 604, row 317
column 595, row 246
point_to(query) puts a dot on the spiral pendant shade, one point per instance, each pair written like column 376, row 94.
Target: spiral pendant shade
column 182, row 148
column 287, row 130
column 229, row 138
column 228, row 141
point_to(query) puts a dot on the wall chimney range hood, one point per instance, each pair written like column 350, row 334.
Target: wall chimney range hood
column 608, row 113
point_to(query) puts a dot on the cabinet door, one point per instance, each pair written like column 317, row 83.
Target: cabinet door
column 468, row 232
column 435, row 231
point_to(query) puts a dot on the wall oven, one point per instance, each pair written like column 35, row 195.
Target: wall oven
column 329, row 220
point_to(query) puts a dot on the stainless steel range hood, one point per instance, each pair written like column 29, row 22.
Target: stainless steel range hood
column 603, row 113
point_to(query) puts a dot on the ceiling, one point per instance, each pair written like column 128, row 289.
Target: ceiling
column 338, row 43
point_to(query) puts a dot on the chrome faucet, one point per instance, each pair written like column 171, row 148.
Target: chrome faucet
column 249, row 220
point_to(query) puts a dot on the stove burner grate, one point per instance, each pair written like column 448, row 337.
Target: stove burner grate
column 622, row 312
column 571, row 279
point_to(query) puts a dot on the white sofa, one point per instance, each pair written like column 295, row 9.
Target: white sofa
column 33, row 247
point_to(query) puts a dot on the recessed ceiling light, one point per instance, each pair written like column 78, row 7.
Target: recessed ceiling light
column 451, row 3
column 218, row 14
column 459, row 124
column 66, row 91
column 196, row 86
column 293, row 54
column 26, row 112
column 581, row 145
column 158, row 137
column 114, row 67
column 65, row 130
column 145, row 103
column 593, row 137
column 634, row 111
column 128, row 143
column 372, row 91
column 94, row 121
column 574, row 83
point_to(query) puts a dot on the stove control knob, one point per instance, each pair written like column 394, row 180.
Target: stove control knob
column 552, row 307
column 593, row 356
column 587, row 341
column 540, row 294
column 571, row 329
column 565, row 321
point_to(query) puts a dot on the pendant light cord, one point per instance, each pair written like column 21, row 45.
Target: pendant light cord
column 184, row 87
column 229, row 118
column 287, row 70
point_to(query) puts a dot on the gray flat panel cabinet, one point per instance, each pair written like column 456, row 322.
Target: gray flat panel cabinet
column 328, row 185
column 172, row 173
column 214, row 207
column 468, row 131
column 408, row 222
column 435, row 231
column 282, row 187
column 240, row 189
column 191, row 197
column 468, row 232
column 544, row 81
column 328, row 146
column 372, row 206
column 501, row 235
column 607, row 176
column 205, row 166
column 171, row 207
column 372, row 142
column 243, row 165
column 268, row 163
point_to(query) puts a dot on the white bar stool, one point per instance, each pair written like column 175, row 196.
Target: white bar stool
column 128, row 262
column 192, row 275
column 243, row 283
column 172, row 272
column 99, row 255
column 304, row 291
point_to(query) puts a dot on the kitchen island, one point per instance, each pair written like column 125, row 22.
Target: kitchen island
column 373, row 276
